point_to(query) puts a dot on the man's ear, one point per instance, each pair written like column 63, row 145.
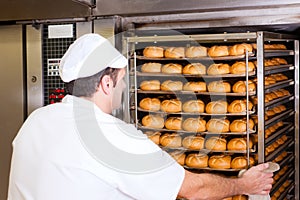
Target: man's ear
column 105, row 84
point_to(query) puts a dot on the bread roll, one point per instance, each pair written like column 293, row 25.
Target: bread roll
column 150, row 85
column 239, row 67
column 239, row 197
column 152, row 104
column 239, row 144
column 216, row 51
column 219, row 86
column 240, row 49
column 215, row 143
column 172, row 105
column 216, row 107
column 195, row 86
column 195, row 52
column 193, row 106
column 151, row 67
column 219, row 161
column 194, row 125
column 171, row 140
column 173, row 123
column 175, row 52
column 240, row 86
column 154, row 136
column 197, row 160
column 172, row 68
column 238, row 106
column 216, row 125
column 170, row 85
column 153, row 121
column 193, row 142
column 240, row 125
column 194, row 69
column 281, row 61
column 153, row 52
column 282, row 107
column 241, row 162
column 178, row 156
column 218, row 69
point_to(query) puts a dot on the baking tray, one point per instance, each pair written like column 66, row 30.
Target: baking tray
column 278, row 85
column 280, row 116
column 278, row 68
column 279, row 101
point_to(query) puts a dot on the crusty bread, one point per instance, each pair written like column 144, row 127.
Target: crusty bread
column 219, row 86
column 151, row 67
column 171, row 140
column 216, row 107
column 153, row 121
column 194, row 69
column 217, row 51
column 216, row 125
column 150, row 85
column 194, row 124
column 173, row 123
column 218, row 69
column 152, row 104
column 238, row 106
column 193, row 142
column 154, row 136
column 172, row 68
column 175, row 52
column 219, row 161
column 170, row 85
column 171, row 105
column 240, row 125
column 239, row 144
column 241, row 162
column 195, row 52
column 240, row 86
column 179, row 156
column 215, row 143
column 153, row 52
column 193, row 106
column 197, row 160
column 240, row 49
column 198, row 86
column 239, row 67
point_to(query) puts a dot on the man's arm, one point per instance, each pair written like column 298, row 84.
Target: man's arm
column 210, row 186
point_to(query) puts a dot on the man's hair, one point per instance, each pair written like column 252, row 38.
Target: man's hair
column 87, row 86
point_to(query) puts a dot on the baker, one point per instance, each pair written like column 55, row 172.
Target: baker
column 92, row 155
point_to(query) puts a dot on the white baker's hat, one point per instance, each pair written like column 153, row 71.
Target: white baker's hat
column 88, row 55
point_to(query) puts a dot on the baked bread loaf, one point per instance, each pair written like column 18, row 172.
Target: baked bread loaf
column 217, row 51
column 240, row 86
column 281, row 61
column 151, row 85
column 216, row 107
column 195, row 86
column 215, row 143
column 170, row 85
column 240, row 125
column 238, row 106
column 171, row 140
column 239, row 144
column 154, row 136
column 175, row 52
column 194, row 124
column 173, row 123
column 219, row 86
column 153, row 52
column 193, row 106
column 178, row 156
column 172, row 68
column 216, row 125
column 218, row 69
column 151, row 67
column 152, row 104
column 239, row 67
column 194, row 69
column 219, row 161
column 240, row 49
column 195, row 52
column 171, row 105
column 241, row 162
column 197, row 160
column 193, row 142
column 153, row 121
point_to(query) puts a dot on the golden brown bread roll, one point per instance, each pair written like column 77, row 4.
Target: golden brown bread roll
column 153, row 121
column 281, row 61
column 216, row 107
column 175, row 52
column 240, row 49
column 152, row 104
column 276, row 110
column 239, row 144
column 239, row 67
column 173, row 123
column 151, row 85
column 239, row 197
column 240, row 86
column 178, row 156
column 219, row 86
column 193, row 106
column 194, row 124
column 215, row 143
column 241, row 162
column 197, row 160
column 151, row 67
column 170, row 85
column 219, row 161
column 218, row 69
column 282, row 107
column 193, row 142
column 154, row 136
column 171, row 140
column 216, row 51
column 172, row 68
column 194, row 69
column 171, row 105
column 240, row 125
column 270, row 113
column 153, row 52
column 195, row 86
column 238, row 106
column 216, row 125
column 195, row 52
